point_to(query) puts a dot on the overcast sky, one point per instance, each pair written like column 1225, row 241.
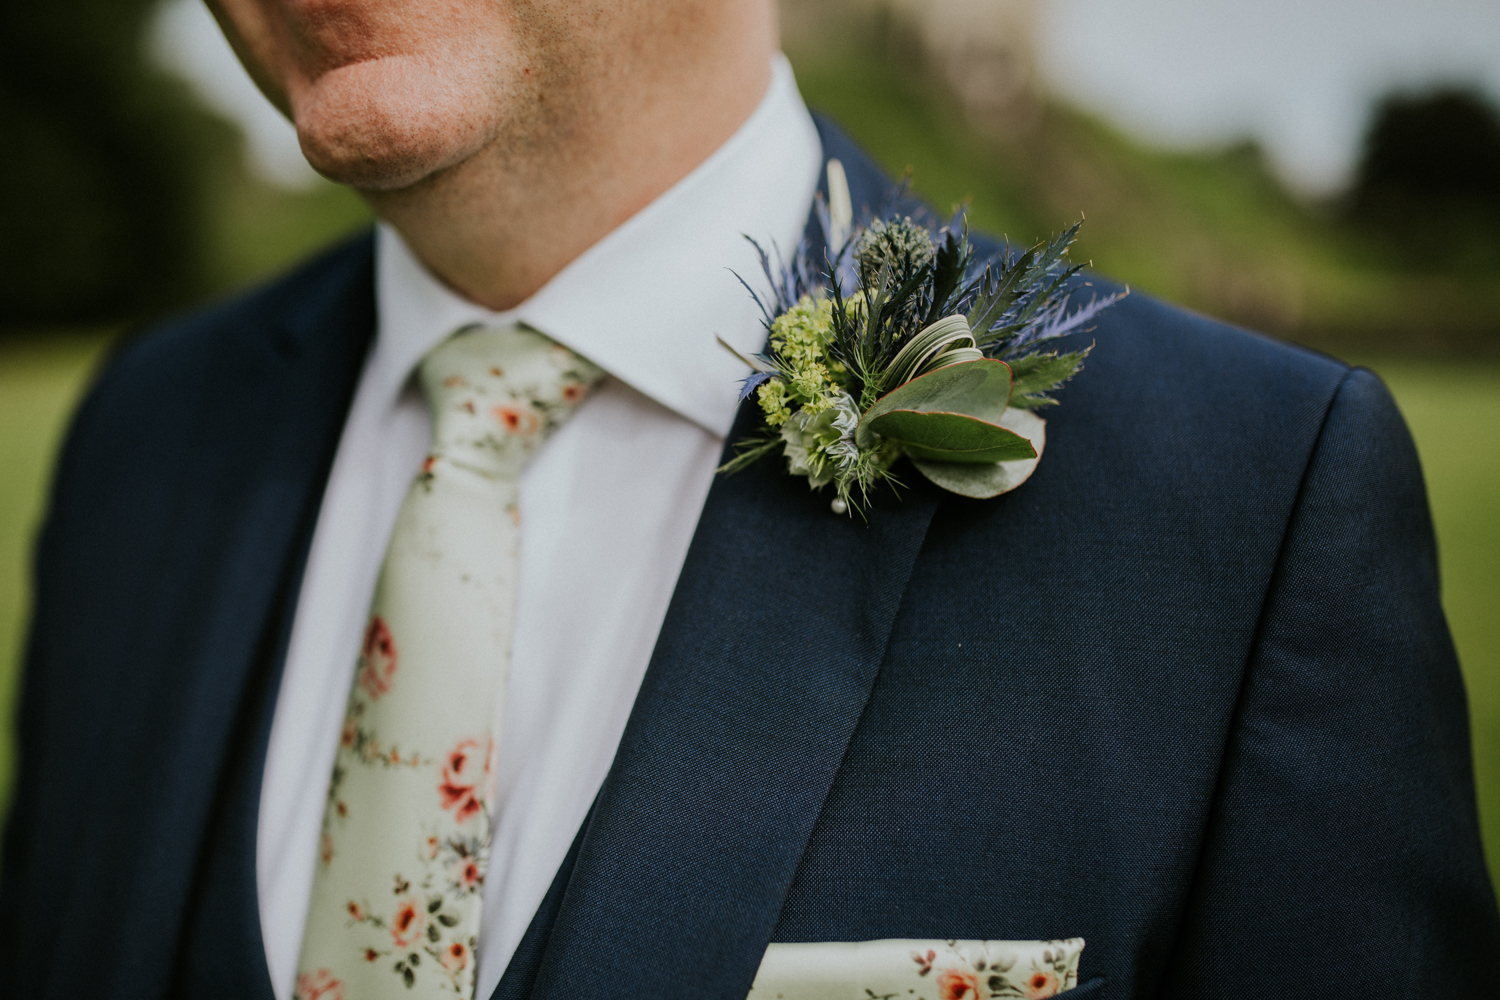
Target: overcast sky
column 1298, row 75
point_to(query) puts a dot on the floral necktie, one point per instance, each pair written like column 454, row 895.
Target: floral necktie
column 397, row 894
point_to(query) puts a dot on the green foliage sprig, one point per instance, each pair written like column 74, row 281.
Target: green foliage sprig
column 901, row 345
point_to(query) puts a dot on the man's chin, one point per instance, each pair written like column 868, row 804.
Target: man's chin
column 385, row 124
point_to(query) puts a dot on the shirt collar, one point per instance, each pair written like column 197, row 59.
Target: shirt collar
column 645, row 302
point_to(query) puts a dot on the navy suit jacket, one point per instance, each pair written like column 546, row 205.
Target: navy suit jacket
column 1188, row 693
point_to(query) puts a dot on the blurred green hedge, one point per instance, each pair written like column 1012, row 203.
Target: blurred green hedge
column 100, row 188
column 121, row 197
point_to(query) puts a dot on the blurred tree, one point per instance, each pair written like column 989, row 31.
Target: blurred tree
column 101, row 215
column 1430, row 175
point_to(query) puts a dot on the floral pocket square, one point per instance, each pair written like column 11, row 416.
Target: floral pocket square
column 899, row 969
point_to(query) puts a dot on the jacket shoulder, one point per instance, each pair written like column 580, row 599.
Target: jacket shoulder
column 274, row 317
column 1145, row 338
column 1184, row 435
column 170, row 379
column 1164, row 343
column 1170, row 343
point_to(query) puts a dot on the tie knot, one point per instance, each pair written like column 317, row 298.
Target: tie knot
column 496, row 393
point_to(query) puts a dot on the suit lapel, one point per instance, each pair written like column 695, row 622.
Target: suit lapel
column 764, row 663
column 771, row 644
column 275, row 397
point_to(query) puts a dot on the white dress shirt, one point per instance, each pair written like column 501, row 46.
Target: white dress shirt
column 608, row 508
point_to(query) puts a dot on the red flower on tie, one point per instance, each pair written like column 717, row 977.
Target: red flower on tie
column 521, row 420
column 455, row 957
column 466, row 778
column 957, row 984
column 465, row 873
column 1042, row 984
column 318, row 985
column 377, row 658
column 408, row 923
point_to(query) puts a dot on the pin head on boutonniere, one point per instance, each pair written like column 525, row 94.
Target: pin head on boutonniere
column 898, row 344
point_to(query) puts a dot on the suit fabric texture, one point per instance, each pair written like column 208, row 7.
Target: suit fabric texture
column 1188, row 693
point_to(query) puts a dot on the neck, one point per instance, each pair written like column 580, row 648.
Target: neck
column 500, row 224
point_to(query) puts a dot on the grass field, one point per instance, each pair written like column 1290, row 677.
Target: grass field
column 40, row 381
column 1454, row 413
column 1453, row 409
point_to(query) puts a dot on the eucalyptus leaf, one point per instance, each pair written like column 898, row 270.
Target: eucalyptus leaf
column 984, row 481
column 977, row 389
column 952, row 437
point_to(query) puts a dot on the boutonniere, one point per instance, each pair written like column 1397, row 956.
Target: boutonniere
column 899, row 345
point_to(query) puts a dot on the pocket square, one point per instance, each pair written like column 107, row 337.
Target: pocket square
column 902, row 969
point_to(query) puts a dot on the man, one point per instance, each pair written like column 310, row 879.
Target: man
column 1187, row 694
